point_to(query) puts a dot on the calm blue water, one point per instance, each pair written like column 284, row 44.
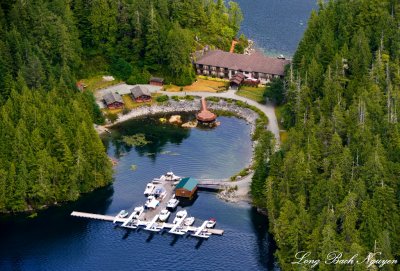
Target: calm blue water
column 276, row 26
column 56, row 241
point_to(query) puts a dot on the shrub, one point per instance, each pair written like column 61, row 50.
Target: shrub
column 112, row 117
column 175, row 98
column 162, row 98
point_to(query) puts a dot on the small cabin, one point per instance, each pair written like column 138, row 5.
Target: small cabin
column 141, row 94
column 113, row 100
column 157, row 81
column 186, row 188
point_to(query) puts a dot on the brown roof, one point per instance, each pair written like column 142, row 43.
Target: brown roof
column 256, row 62
column 112, row 97
column 138, row 91
column 157, row 79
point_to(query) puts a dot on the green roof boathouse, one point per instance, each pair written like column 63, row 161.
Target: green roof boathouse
column 186, row 188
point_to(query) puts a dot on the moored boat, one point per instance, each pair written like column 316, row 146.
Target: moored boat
column 172, row 203
column 121, row 214
column 180, row 216
column 149, row 189
column 137, row 212
column 189, row 221
column 164, row 214
column 211, row 223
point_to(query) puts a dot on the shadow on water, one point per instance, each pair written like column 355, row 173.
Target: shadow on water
column 174, row 240
column 150, row 237
column 158, row 134
column 199, row 243
column 265, row 243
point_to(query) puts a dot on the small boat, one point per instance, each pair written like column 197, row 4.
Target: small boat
column 189, row 221
column 164, row 214
column 137, row 212
column 180, row 216
column 121, row 214
column 211, row 223
column 281, row 57
column 160, row 192
column 151, row 202
column 169, row 176
column 172, row 203
column 149, row 189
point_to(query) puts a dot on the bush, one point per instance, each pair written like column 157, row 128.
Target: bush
column 189, row 98
column 175, row 98
column 112, row 117
column 162, row 98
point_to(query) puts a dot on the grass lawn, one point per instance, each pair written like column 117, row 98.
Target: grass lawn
column 283, row 133
column 252, row 93
column 200, row 85
column 97, row 82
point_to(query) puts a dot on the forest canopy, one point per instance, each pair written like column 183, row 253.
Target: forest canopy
column 334, row 185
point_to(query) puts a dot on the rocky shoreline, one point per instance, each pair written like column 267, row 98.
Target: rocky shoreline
column 188, row 106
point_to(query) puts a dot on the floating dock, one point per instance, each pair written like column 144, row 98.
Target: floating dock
column 148, row 219
column 142, row 223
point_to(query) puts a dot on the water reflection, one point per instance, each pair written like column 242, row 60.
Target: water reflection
column 265, row 243
column 158, row 134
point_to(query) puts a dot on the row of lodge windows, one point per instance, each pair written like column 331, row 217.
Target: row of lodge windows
column 224, row 72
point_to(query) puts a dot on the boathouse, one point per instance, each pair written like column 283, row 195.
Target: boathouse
column 156, row 81
column 256, row 66
column 113, row 100
column 186, row 188
column 141, row 94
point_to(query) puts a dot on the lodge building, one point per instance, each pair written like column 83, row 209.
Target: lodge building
column 256, row 66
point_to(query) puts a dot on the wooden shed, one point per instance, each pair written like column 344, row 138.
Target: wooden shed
column 186, row 188
column 156, row 81
column 141, row 94
column 113, row 100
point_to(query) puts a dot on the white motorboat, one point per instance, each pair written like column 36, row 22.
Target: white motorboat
column 151, row 202
column 189, row 221
column 180, row 216
column 211, row 223
column 159, row 192
column 121, row 214
column 149, row 189
column 164, row 214
column 137, row 212
column 281, row 57
column 169, row 176
column 172, row 203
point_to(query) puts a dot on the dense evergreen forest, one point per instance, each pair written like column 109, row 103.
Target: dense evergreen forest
column 335, row 184
column 50, row 151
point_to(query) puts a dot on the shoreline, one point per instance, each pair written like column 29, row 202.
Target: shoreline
column 237, row 190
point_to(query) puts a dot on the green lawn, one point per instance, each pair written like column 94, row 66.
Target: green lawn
column 252, row 93
column 96, row 82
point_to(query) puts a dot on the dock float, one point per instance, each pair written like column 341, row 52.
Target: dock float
column 141, row 223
